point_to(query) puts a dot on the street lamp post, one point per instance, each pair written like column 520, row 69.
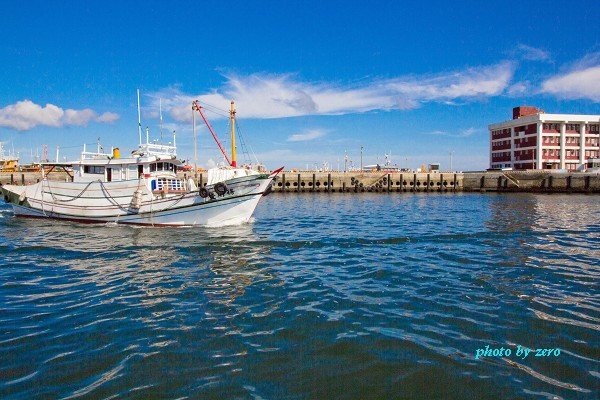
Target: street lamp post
column 361, row 164
column 345, row 161
column 451, row 153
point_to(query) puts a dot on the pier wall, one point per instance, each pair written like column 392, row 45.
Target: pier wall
column 404, row 182
column 356, row 182
column 532, row 181
column 442, row 182
column 28, row 178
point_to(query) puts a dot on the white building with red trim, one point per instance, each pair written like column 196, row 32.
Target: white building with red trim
column 534, row 139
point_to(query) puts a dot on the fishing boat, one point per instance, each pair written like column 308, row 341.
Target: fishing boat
column 143, row 188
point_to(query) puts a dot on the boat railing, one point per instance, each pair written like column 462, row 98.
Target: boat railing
column 170, row 185
column 89, row 155
column 158, row 149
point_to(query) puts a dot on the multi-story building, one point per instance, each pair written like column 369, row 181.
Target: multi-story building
column 536, row 140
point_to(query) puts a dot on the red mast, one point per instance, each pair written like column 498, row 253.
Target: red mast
column 198, row 107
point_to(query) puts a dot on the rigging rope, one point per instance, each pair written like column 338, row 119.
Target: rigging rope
column 65, row 201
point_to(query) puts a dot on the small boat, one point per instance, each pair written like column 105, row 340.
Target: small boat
column 142, row 189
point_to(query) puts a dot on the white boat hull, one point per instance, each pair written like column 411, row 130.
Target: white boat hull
column 111, row 203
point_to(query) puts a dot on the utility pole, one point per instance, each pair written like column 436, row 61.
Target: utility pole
column 451, row 153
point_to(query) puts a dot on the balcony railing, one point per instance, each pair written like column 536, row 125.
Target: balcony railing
column 526, row 143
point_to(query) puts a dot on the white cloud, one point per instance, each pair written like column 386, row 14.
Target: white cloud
column 532, row 53
column 581, row 81
column 107, row 117
column 305, row 136
column 280, row 96
column 25, row 115
column 471, row 83
column 78, row 117
column 518, row 89
column 462, row 134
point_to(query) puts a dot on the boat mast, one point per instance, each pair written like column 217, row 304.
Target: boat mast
column 139, row 117
column 232, row 118
column 195, row 140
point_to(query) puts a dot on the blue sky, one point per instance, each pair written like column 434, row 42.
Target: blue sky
column 311, row 79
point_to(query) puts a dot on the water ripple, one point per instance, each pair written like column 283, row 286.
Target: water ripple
column 329, row 296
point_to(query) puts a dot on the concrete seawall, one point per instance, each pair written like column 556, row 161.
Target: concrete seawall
column 532, row 181
column 442, row 182
column 356, row 182
column 399, row 182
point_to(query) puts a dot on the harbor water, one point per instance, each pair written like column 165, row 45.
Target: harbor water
column 322, row 296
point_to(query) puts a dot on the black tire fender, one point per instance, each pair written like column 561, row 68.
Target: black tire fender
column 203, row 192
column 221, row 188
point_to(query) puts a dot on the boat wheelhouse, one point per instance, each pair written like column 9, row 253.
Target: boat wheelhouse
column 156, row 162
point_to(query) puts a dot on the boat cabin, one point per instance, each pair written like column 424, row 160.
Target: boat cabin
column 122, row 170
column 155, row 163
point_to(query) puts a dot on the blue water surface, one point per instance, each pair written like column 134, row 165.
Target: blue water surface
column 322, row 296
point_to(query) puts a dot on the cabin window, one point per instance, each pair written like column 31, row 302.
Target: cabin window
column 92, row 169
column 163, row 166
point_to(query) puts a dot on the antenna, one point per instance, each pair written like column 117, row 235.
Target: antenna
column 160, row 112
column 139, row 117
